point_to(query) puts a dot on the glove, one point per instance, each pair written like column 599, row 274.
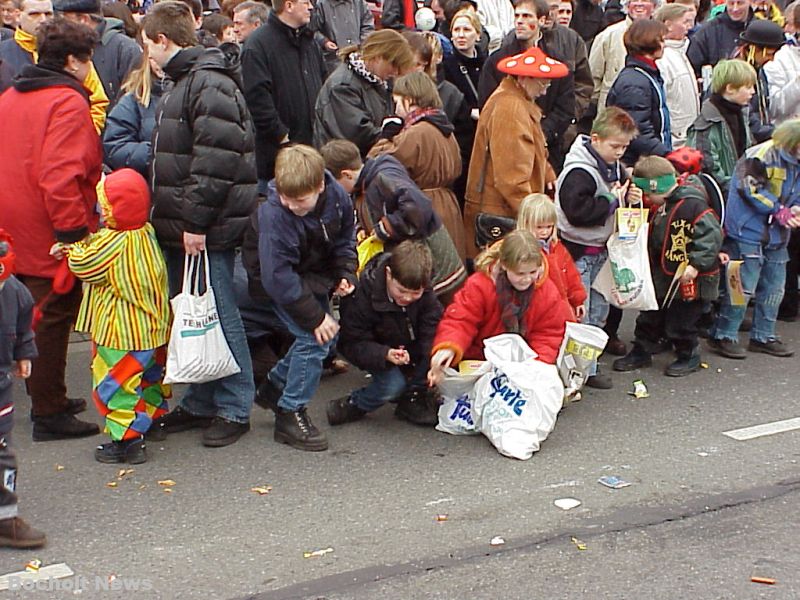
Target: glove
column 390, row 127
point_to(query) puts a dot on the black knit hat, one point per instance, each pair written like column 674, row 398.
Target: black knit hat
column 763, row 33
column 78, row 6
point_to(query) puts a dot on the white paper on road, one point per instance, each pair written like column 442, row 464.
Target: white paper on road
column 57, row 571
column 756, row 431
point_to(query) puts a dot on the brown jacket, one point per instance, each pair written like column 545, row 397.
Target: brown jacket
column 516, row 165
column 433, row 161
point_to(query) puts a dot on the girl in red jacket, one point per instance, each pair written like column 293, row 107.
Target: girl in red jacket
column 537, row 214
column 509, row 293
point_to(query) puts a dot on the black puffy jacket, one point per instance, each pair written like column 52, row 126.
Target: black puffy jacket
column 372, row 324
column 203, row 170
column 639, row 90
column 714, row 41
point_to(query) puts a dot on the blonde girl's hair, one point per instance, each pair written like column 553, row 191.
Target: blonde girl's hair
column 140, row 81
column 470, row 15
column 517, row 248
column 535, row 210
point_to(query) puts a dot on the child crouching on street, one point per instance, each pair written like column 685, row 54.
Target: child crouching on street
column 17, row 348
column 125, row 308
column 683, row 231
column 510, row 292
column 537, row 214
column 387, row 329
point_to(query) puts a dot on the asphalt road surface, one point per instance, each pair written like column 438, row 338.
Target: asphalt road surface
column 703, row 515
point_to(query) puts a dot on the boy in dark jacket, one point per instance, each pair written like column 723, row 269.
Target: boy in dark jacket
column 16, row 351
column 306, row 251
column 684, row 233
column 388, row 326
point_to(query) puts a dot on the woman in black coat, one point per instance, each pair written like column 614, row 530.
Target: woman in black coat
column 462, row 67
column 639, row 90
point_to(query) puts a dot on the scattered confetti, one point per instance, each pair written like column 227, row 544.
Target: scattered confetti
column 166, row 482
column 262, row 490
column 59, row 467
column 703, row 365
column 567, row 503
column 33, row 565
column 111, row 484
column 497, row 541
column 441, row 518
column 578, row 543
column 317, row 553
column 167, row 490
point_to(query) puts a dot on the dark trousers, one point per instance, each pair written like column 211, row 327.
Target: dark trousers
column 678, row 323
column 612, row 321
column 8, row 483
column 47, row 385
column 791, row 298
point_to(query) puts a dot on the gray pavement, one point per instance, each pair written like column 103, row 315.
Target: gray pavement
column 703, row 514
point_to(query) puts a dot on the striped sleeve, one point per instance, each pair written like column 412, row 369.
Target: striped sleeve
column 91, row 259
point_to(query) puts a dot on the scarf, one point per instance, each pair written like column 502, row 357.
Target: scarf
column 357, row 64
column 513, row 304
column 27, row 42
column 732, row 113
column 418, row 114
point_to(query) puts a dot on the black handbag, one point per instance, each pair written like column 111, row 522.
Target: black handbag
column 489, row 228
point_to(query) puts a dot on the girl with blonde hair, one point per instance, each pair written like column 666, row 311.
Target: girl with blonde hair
column 537, row 214
column 510, row 292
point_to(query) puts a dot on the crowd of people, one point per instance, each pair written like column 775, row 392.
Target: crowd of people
column 389, row 193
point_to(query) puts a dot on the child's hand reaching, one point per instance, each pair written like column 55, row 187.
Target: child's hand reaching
column 345, row 288
column 690, row 274
column 59, row 250
column 23, row 370
column 398, row 356
column 439, row 362
column 580, row 312
column 724, row 259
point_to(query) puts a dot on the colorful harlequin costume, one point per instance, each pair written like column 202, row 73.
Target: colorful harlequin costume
column 125, row 307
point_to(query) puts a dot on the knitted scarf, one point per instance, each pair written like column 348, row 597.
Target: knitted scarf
column 27, row 42
column 418, row 114
column 357, row 64
column 513, row 304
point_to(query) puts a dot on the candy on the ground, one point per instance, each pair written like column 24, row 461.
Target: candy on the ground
column 578, row 543
column 639, row 390
column 33, row 565
column 166, row 482
column 317, row 553
column 613, row 482
column 261, row 490
column 497, row 541
column 567, row 503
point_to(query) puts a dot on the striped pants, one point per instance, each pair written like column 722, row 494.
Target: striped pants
column 128, row 389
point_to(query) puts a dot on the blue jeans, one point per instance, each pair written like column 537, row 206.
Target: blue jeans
column 389, row 385
column 763, row 276
column 298, row 372
column 589, row 266
column 231, row 397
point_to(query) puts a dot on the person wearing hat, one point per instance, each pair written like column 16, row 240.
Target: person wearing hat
column 717, row 38
column 16, row 352
column 116, row 54
column 125, row 308
column 758, row 44
column 509, row 158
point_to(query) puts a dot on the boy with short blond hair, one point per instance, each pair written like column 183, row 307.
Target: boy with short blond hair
column 306, row 250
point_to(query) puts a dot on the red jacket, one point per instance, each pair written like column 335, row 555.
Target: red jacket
column 51, row 161
column 474, row 316
column 565, row 275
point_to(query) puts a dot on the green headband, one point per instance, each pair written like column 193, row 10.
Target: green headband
column 656, row 185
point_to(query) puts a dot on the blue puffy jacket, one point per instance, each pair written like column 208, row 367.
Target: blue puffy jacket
column 129, row 129
column 766, row 179
column 639, row 90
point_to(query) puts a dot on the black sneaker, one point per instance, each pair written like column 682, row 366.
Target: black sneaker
column 156, row 433
column 126, row 451
column 222, row 432
column 418, row 407
column 341, row 410
column 727, row 348
column 637, row 358
column 267, row 395
column 600, row 382
column 772, row 347
column 180, row 420
column 683, row 366
column 61, row 427
column 296, row 429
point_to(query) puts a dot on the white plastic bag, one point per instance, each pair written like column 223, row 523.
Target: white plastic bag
column 625, row 280
column 456, row 414
column 577, row 358
column 198, row 351
column 519, row 399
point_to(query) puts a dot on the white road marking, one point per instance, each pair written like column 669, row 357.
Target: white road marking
column 749, row 433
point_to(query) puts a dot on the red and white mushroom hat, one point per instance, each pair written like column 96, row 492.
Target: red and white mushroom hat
column 533, row 63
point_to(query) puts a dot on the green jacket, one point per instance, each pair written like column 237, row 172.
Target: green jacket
column 685, row 228
column 711, row 135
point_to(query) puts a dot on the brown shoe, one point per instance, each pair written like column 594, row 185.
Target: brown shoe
column 16, row 533
column 616, row 347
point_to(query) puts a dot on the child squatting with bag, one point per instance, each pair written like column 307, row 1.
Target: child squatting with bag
column 388, row 325
column 17, row 348
column 684, row 234
column 125, row 308
column 510, row 292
